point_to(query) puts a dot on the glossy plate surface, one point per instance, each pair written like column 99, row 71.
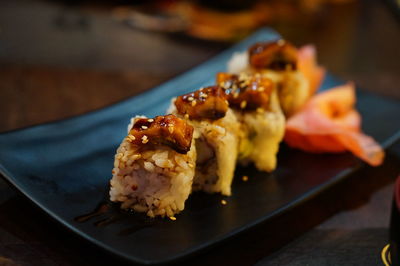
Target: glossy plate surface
column 64, row 167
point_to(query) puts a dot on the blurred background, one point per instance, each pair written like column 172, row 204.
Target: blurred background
column 64, row 58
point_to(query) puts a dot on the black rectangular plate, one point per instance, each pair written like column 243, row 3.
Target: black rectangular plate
column 64, row 167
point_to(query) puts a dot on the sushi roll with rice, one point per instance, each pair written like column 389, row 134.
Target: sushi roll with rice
column 255, row 103
column 154, row 166
column 216, row 135
column 277, row 61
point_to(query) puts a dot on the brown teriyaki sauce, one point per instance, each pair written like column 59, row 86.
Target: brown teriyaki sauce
column 107, row 213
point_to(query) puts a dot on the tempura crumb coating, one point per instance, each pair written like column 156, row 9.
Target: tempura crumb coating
column 216, row 136
column 277, row 61
column 254, row 101
column 264, row 132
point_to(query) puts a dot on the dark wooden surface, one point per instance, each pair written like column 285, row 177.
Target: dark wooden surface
column 58, row 61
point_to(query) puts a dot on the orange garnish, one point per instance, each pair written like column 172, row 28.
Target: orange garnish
column 329, row 123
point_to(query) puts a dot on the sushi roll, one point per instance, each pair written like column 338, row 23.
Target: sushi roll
column 277, row 61
column 154, row 166
column 216, row 136
column 255, row 103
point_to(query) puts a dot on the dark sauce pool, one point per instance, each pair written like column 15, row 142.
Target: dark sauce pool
column 107, row 213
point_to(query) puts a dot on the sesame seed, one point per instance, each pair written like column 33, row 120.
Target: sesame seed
column 222, row 84
column 223, row 202
column 186, row 116
column 203, row 95
column 171, row 129
column 150, row 120
column 130, row 138
column 261, row 88
column 144, row 127
column 190, row 165
column 173, row 218
column 145, row 139
column 260, row 110
column 243, row 104
column 194, row 102
column 190, row 98
column 245, row 178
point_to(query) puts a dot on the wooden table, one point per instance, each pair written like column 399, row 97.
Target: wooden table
column 58, row 61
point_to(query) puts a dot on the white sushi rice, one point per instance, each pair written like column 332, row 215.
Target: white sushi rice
column 156, row 182
column 221, row 138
